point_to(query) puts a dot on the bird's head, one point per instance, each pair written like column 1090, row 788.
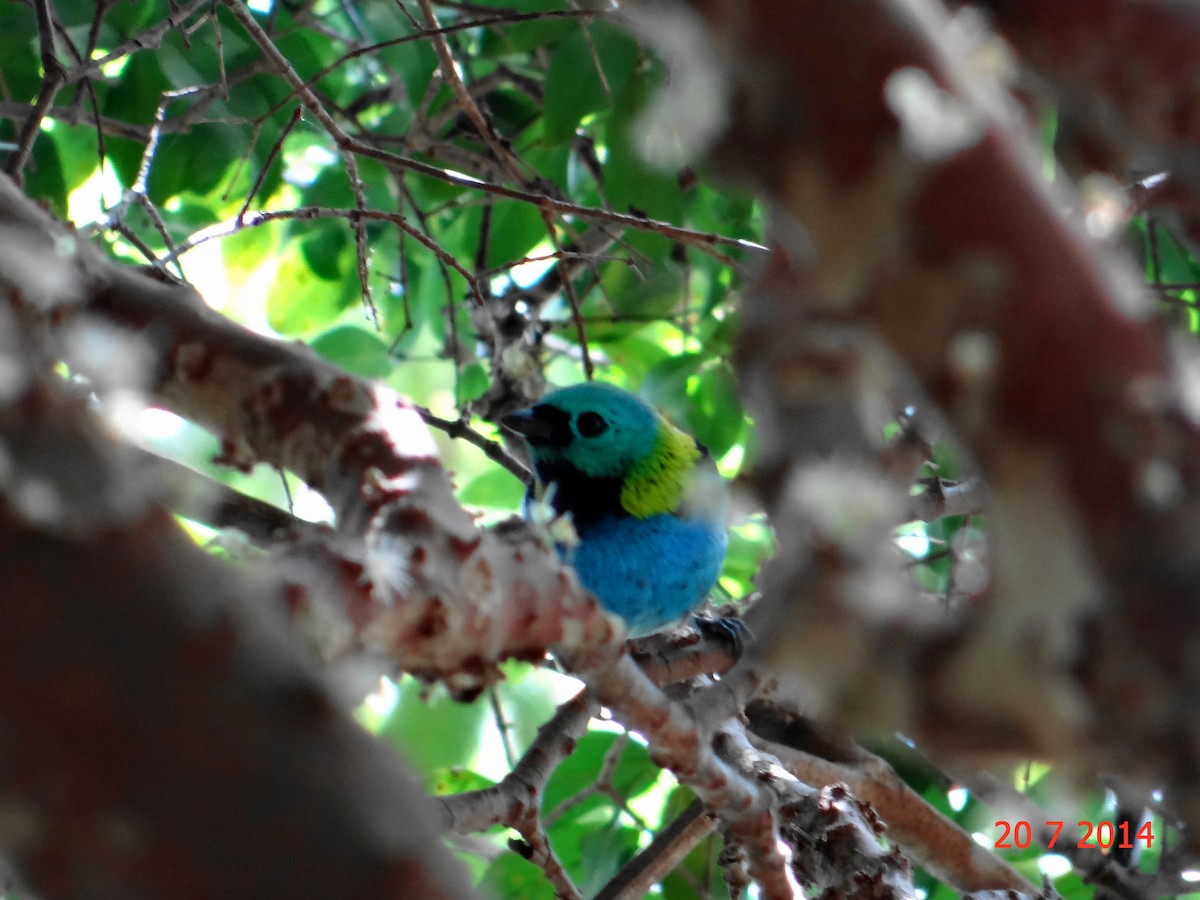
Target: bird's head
column 601, row 433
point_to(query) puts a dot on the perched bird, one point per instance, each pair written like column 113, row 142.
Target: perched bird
column 645, row 498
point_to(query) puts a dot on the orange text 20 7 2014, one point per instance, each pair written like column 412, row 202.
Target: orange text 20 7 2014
column 1102, row 835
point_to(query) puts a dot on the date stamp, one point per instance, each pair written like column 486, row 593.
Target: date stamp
column 1099, row 835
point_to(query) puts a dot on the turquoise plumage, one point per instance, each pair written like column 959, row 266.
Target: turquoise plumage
column 645, row 499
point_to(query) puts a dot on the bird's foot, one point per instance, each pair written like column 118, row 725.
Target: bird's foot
column 729, row 630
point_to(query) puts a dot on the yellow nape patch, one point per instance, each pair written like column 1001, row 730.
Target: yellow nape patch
column 656, row 484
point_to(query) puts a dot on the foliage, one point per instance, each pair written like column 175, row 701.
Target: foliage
column 393, row 253
column 200, row 140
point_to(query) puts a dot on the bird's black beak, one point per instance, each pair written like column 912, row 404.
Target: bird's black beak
column 541, row 426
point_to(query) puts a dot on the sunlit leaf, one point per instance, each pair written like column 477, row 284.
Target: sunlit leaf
column 453, row 743
column 299, row 302
column 355, row 349
column 496, row 488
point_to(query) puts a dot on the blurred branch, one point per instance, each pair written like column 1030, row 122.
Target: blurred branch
column 195, row 496
column 939, row 497
column 350, row 146
column 669, row 659
column 149, row 39
column 517, row 800
column 494, row 451
column 755, row 800
column 180, row 707
column 940, row 265
column 1137, row 114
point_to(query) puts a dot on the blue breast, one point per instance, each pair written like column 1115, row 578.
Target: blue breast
column 652, row 572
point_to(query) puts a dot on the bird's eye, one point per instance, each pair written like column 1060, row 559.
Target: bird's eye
column 591, row 424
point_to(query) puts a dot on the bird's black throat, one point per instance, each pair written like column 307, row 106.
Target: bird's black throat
column 588, row 499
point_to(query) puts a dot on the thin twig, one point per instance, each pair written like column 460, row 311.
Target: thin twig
column 442, row 30
column 494, row 451
column 664, row 854
column 464, row 99
column 702, row 239
column 276, row 149
column 147, row 40
column 568, row 286
column 253, row 220
column 54, row 76
column 503, row 726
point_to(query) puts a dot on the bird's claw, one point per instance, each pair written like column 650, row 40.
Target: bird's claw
column 728, row 630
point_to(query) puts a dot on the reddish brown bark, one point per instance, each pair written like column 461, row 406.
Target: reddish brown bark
column 933, row 231
column 1122, row 75
column 165, row 734
column 1135, row 59
column 417, row 578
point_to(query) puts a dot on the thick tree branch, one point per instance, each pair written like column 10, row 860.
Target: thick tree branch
column 166, row 733
column 932, row 229
column 418, row 580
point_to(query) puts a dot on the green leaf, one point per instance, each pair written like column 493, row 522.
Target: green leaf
column 22, row 68
column 659, row 294
column 1177, row 264
column 749, row 547
column 309, row 53
column 716, row 417
column 355, row 349
column 456, row 780
column 516, row 228
column 127, row 19
column 666, row 384
column 550, row 163
column 78, row 151
column 496, row 488
column 191, row 217
column 510, row 877
column 699, row 866
column 631, row 184
column 137, row 94
column 414, row 61
column 330, row 188
column 300, row 303
column 604, row 852
column 634, row 774
column 635, row 351
column 257, row 96
column 324, row 247
column 44, row 174
column 512, row 111
column 520, row 38
column 245, row 251
column 435, row 733
column 473, row 381
column 716, row 334
column 134, row 99
column 574, row 87
column 195, row 64
column 195, row 162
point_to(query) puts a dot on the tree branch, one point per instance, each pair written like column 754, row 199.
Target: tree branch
column 179, row 707
column 942, row 270
column 442, row 597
